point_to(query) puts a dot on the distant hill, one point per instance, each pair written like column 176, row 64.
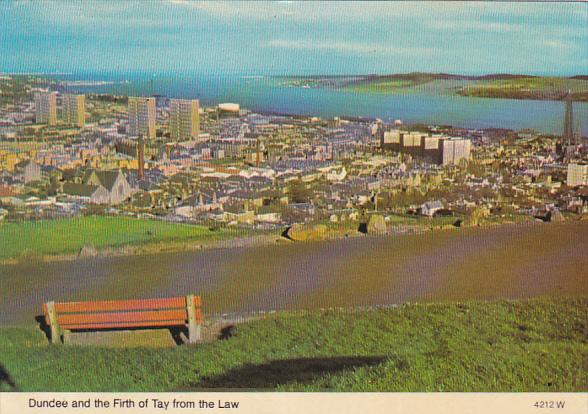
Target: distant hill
column 450, row 76
column 431, row 75
column 496, row 85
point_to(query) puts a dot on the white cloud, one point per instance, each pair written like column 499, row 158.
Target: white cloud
column 350, row 47
column 251, row 10
column 457, row 25
column 557, row 44
column 367, row 10
column 114, row 15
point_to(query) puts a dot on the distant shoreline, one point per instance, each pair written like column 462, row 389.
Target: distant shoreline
column 501, row 86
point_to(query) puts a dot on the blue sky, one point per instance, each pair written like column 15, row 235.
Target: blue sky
column 287, row 37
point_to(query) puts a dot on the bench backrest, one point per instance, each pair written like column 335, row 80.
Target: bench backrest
column 112, row 314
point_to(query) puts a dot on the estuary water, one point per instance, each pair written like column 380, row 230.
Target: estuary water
column 270, row 94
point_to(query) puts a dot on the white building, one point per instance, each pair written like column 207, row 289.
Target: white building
column 431, row 207
column 46, row 108
column 74, row 113
column 142, row 113
column 184, row 119
column 577, row 174
column 455, row 149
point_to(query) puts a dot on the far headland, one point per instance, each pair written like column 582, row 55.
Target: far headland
column 501, row 85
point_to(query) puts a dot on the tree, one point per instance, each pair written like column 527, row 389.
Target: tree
column 299, row 193
column 53, row 186
column 477, row 216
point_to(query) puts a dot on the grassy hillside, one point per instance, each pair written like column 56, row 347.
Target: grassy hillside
column 544, row 88
column 50, row 237
column 405, row 83
column 488, row 86
column 535, row 345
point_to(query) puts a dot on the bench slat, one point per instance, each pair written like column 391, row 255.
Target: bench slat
column 198, row 315
column 113, row 325
column 197, row 301
column 122, row 317
column 122, row 305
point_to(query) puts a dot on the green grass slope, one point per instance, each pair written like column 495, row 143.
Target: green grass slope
column 542, row 88
column 63, row 236
column 535, row 345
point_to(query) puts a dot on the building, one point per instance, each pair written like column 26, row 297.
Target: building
column 455, row 150
column 29, row 170
column 46, row 108
column 568, row 131
column 432, row 149
column 228, row 110
column 431, row 207
column 74, row 113
column 577, row 174
column 114, row 182
column 161, row 101
column 87, row 193
column 436, row 149
column 142, row 113
column 416, row 144
column 6, row 194
column 390, row 140
column 184, row 119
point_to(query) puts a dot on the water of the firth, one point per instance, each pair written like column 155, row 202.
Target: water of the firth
column 267, row 94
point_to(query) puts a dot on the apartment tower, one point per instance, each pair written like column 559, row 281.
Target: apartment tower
column 142, row 115
column 46, row 108
column 184, row 120
column 577, row 174
column 74, row 110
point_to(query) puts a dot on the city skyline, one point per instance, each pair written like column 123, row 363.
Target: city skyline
column 295, row 37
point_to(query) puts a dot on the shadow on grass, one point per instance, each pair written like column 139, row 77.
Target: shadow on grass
column 5, row 378
column 284, row 371
column 42, row 324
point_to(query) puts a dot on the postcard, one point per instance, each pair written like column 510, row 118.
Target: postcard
column 292, row 206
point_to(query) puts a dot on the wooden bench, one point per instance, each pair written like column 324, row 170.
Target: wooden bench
column 64, row 317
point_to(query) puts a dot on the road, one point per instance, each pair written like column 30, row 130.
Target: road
column 505, row 262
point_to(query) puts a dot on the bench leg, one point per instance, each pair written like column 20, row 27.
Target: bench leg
column 66, row 336
column 55, row 330
column 194, row 333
